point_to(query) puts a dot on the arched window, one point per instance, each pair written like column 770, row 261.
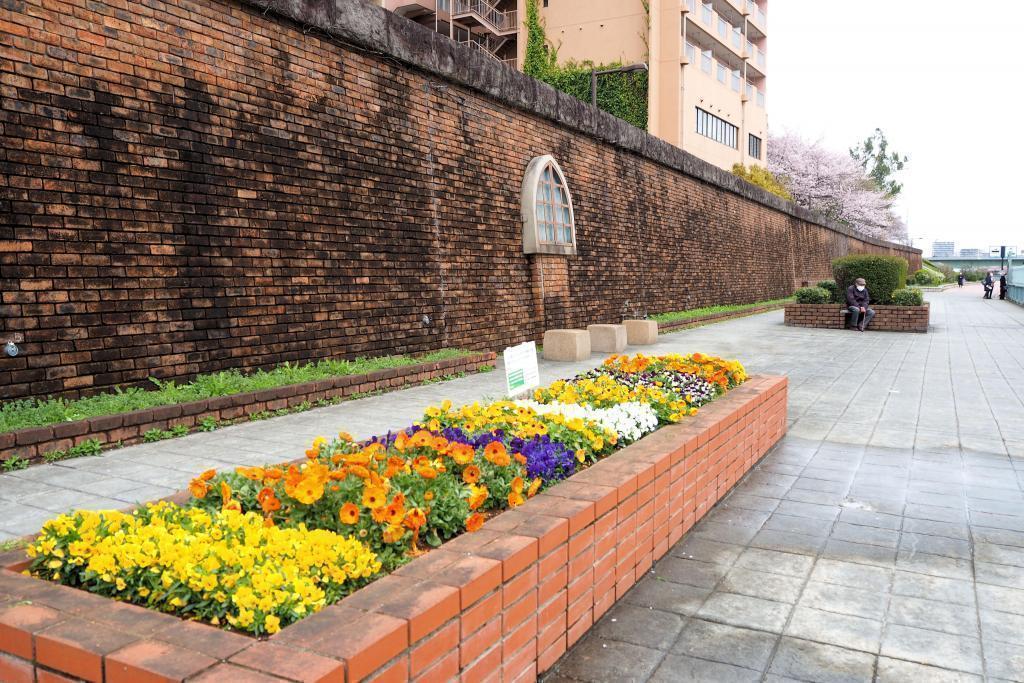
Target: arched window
column 549, row 224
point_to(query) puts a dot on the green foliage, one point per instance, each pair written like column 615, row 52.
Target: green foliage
column 884, row 274
column 928, row 278
column 84, row 449
column 908, row 296
column 208, row 424
column 39, row 412
column 880, row 164
column 13, row 544
column 677, row 316
column 812, row 295
column 623, row 95
column 763, row 178
column 974, row 274
column 537, row 61
column 13, row 463
column 830, row 287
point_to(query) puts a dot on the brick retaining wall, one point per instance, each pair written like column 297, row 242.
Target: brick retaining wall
column 33, row 443
column 503, row 603
column 194, row 185
column 887, row 318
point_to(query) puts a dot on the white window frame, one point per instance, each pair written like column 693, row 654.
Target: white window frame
column 532, row 242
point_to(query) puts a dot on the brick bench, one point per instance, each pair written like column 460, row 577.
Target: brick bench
column 834, row 316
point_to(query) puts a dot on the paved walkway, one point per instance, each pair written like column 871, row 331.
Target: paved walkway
column 884, row 538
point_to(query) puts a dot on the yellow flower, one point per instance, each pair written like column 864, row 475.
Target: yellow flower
column 272, row 624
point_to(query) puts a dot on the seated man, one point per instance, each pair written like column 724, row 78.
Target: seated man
column 857, row 299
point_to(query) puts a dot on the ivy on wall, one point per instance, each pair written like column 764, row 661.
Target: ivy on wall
column 622, row 94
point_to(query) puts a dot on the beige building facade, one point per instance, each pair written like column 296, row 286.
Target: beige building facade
column 707, row 59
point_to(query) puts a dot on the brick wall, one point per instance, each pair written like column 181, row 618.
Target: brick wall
column 194, row 185
column 503, row 603
column 832, row 316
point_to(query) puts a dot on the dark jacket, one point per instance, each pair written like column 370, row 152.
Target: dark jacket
column 988, row 281
column 855, row 298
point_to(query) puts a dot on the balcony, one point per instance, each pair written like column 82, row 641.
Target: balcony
column 717, row 27
column 756, row 18
column 411, row 9
column 486, row 14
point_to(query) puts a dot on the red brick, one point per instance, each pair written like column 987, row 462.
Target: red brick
column 229, row 673
column 151, row 661
column 438, row 644
column 18, row 623
column 15, row 670
column 285, row 662
column 77, row 647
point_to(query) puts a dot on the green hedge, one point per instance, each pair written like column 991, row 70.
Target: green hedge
column 812, row 295
column 830, row 287
column 908, row 297
column 884, row 274
column 929, row 278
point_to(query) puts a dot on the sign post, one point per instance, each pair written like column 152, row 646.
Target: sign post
column 521, row 372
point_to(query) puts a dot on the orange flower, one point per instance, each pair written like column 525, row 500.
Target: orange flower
column 474, row 522
column 392, row 533
column 336, row 458
column 312, row 453
column 225, row 490
column 496, row 453
column 268, row 522
column 520, row 458
column 268, row 501
column 208, row 475
column 415, row 518
column 477, row 496
column 359, row 471
column 422, row 438
column 518, row 484
column 428, row 496
column 515, row 499
column 401, row 442
column 462, row 453
column 272, row 474
column 251, row 473
column 232, row 505
column 374, row 497
column 534, row 486
column 394, row 514
column 471, row 474
column 427, row 472
column 344, row 436
column 309, row 491
column 348, row 514
column 379, row 515
column 198, row 488
column 337, row 475
column 440, row 444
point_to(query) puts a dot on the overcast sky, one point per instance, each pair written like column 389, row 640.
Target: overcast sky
column 941, row 78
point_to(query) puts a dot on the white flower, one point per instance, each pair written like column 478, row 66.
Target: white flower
column 629, row 421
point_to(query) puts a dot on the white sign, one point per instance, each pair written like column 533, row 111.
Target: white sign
column 521, row 373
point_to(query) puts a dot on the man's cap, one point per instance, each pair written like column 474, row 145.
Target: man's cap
column 860, row 281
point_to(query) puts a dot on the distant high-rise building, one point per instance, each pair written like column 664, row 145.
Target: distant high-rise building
column 707, row 58
column 971, row 253
column 943, row 249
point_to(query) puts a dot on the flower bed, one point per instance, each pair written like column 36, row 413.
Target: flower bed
column 33, row 443
column 833, row 316
column 394, row 496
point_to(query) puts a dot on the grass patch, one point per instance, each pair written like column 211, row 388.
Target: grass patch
column 36, row 412
column 13, row 544
column 677, row 316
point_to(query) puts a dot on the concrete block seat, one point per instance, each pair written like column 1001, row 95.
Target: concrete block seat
column 641, row 332
column 607, row 338
column 566, row 345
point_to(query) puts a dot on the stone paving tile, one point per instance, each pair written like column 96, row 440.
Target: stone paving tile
column 745, row 611
column 932, row 614
column 852, row 632
column 809, row 661
column 931, row 647
column 597, row 659
column 934, row 587
column 831, row 597
column 1004, row 660
column 729, row 644
column 640, row 625
column 899, row 671
column 681, row 668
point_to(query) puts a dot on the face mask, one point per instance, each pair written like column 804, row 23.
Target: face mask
column 860, row 288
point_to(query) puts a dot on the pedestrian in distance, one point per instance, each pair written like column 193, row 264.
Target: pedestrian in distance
column 1002, row 286
column 989, row 285
column 960, row 280
column 857, row 300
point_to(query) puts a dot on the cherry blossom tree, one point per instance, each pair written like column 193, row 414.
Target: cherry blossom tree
column 834, row 185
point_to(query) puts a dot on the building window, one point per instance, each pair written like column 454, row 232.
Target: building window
column 549, row 224
column 754, row 146
column 691, row 52
column 717, row 129
column 705, row 61
column 722, row 73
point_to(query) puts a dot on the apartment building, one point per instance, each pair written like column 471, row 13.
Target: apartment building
column 707, row 58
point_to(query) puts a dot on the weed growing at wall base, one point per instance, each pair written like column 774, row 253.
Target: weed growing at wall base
column 676, row 316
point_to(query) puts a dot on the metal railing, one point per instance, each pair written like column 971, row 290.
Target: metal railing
column 488, row 14
column 482, row 47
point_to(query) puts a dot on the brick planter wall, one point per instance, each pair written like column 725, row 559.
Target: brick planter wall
column 128, row 428
column 887, row 318
column 193, row 185
column 503, row 603
column 664, row 328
